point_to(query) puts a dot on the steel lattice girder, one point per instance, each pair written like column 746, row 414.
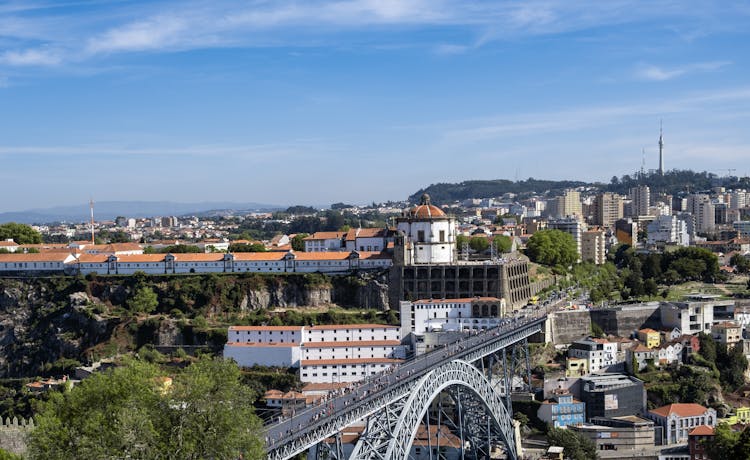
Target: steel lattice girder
column 307, row 437
column 430, row 386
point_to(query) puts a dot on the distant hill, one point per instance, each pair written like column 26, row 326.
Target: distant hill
column 447, row 193
column 108, row 210
column 673, row 182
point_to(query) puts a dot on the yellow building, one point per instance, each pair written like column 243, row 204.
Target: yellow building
column 576, row 367
column 649, row 337
column 743, row 414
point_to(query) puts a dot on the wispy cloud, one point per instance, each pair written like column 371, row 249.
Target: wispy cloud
column 272, row 152
column 32, row 57
column 150, row 27
column 655, row 73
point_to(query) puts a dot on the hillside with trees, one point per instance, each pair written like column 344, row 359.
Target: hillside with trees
column 673, row 182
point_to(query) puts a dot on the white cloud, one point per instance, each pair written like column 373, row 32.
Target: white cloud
column 32, row 57
column 156, row 33
column 655, row 73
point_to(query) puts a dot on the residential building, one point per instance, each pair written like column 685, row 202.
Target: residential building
column 668, row 230
column 649, row 337
column 608, row 208
column 600, row 354
column 639, row 355
column 325, row 241
column 576, row 367
column 9, row 245
column 703, row 211
column 698, row 438
column 367, row 239
column 641, row 200
column 668, row 353
column 626, row 231
column 455, row 315
column 727, row 333
column 562, row 410
column 568, row 205
column 593, row 247
column 742, row 227
column 677, row 420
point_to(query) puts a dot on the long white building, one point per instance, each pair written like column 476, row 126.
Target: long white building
column 161, row 264
column 324, row 354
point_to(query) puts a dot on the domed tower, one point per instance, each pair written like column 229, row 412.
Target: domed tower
column 428, row 235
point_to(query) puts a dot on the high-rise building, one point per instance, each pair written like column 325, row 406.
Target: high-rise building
column 569, row 205
column 593, row 247
column 641, row 199
column 668, row 230
column 608, row 208
column 703, row 211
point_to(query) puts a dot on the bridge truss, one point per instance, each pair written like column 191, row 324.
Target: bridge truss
column 394, row 413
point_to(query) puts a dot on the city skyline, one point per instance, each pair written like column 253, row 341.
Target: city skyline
column 359, row 101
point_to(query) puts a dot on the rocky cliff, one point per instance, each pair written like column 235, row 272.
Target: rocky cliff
column 48, row 325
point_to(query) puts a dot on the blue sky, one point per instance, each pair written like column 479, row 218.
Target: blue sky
column 323, row 101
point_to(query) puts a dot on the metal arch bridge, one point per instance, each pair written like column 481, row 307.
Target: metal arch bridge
column 393, row 403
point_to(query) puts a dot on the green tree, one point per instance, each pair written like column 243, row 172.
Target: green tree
column 707, row 347
column 20, row 233
column 724, row 442
column 128, row 412
column 298, row 241
column 241, row 247
column 5, row 455
column 479, row 243
column 732, row 365
column 576, row 445
column 144, row 301
column 181, row 249
column 552, row 247
column 740, row 263
column 503, row 243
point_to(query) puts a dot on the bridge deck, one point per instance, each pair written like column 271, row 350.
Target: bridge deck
column 299, row 432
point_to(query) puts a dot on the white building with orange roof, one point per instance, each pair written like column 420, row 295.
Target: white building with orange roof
column 728, row 333
column 35, row 262
column 679, row 419
column 325, row 241
column 324, row 354
column 9, row 245
column 601, row 354
column 367, row 239
column 427, row 234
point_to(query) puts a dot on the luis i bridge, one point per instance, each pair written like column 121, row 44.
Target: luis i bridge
column 450, row 387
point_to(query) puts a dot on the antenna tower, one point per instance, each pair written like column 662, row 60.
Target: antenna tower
column 91, row 207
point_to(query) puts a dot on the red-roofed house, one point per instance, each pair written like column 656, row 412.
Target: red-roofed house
column 697, row 440
column 679, row 419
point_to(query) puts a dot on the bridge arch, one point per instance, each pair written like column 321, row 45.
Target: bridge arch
column 396, row 438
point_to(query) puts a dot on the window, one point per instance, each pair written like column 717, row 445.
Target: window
column 442, row 236
column 420, row 236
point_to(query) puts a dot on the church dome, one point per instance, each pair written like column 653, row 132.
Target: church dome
column 425, row 210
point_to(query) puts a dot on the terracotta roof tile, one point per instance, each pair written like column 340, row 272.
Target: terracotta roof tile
column 702, row 430
column 681, row 409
